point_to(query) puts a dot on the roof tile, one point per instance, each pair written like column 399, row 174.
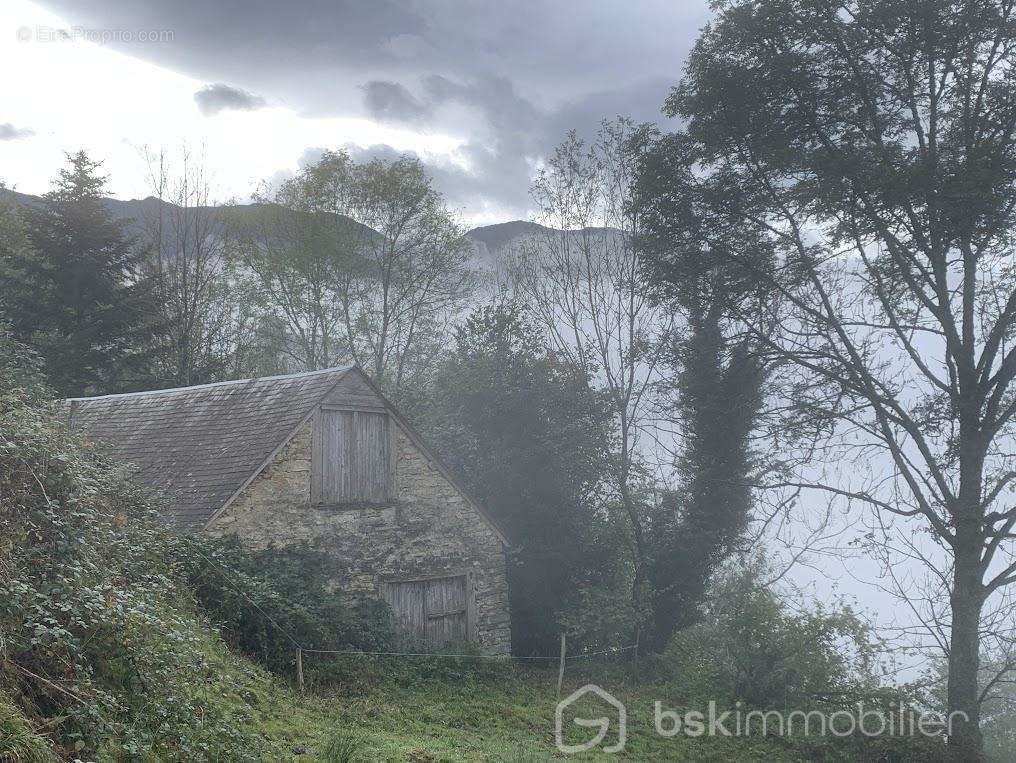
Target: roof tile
column 200, row 444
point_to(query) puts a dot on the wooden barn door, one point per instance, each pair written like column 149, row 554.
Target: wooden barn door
column 352, row 457
column 433, row 613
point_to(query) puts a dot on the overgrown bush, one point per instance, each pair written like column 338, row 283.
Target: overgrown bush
column 100, row 644
column 753, row 651
column 752, row 647
column 268, row 602
column 105, row 634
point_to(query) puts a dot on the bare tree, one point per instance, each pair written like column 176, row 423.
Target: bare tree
column 583, row 281
column 185, row 228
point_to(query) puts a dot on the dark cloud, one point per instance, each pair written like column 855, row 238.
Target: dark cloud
column 511, row 135
column 392, row 102
column 508, row 76
column 10, row 132
column 212, row 99
column 556, row 50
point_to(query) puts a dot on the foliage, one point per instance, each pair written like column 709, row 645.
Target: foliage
column 753, row 650
column 707, row 274
column 411, row 273
column 98, row 637
column 999, row 723
column 582, row 280
column 998, row 711
column 265, row 603
column 357, row 261
column 526, row 433
column 288, row 251
column 718, row 392
column 72, row 289
column 750, row 646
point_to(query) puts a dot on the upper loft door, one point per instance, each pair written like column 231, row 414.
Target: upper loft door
column 352, row 457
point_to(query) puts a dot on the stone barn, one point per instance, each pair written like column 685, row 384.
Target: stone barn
column 321, row 458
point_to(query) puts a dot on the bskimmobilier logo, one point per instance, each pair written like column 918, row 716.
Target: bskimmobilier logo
column 738, row 721
column 603, row 722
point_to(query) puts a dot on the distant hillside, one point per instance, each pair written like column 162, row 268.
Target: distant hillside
column 489, row 241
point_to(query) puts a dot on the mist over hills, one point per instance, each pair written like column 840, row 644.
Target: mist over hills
column 488, row 241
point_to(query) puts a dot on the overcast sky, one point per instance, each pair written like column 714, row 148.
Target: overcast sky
column 479, row 90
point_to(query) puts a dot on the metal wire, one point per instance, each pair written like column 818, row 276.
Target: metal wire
column 555, row 658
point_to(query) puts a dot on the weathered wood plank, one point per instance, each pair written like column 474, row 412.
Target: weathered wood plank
column 352, row 460
column 433, row 613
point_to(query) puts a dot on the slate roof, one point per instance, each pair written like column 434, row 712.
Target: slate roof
column 202, row 444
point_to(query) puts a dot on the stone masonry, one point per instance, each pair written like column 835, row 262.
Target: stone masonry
column 429, row 530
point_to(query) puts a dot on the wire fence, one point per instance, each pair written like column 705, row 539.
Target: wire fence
column 562, row 658
column 617, row 651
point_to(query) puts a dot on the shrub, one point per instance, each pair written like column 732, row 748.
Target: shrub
column 752, row 648
column 99, row 639
column 267, row 602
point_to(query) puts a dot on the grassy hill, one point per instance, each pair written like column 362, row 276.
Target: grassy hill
column 505, row 716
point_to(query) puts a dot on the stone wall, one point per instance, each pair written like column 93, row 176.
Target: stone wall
column 430, row 530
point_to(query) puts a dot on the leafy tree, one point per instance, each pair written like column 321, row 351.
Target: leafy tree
column 523, row 428
column 695, row 529
column 715, row 396
column 409, row 276
column 73, row 294
column 290, row 251
column 100, row 647
column 871, row 145
column 360, row 262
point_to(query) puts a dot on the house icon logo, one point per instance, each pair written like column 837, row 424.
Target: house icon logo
column 603, row 722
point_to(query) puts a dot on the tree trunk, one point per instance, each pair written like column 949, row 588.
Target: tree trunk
column 965, row 743
column 638, row 552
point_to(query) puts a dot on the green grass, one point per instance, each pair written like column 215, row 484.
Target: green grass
column 501, row 718
column 18, row 743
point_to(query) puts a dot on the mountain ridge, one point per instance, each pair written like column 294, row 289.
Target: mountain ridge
column 487, row 240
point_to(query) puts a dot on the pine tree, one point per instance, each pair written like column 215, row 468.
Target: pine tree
column 72, row 290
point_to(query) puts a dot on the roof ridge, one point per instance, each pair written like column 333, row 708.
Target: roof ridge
column 171, row 390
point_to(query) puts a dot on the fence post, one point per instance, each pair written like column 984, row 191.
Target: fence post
column 299, row 668
column 560, row 670
column 635, row 657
